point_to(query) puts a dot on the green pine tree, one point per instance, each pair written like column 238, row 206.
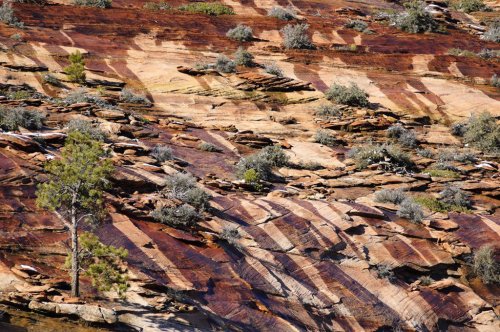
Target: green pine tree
column 76, row 69
column 75, row 188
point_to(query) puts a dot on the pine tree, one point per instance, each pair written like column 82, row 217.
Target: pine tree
column 75, row 188
column 76, row 69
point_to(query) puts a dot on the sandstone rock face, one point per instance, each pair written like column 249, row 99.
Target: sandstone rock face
column 316, row 250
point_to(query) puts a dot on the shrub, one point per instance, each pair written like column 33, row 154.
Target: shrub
column 157, row 6
column 129, row 96
column 85, row 127
column 488, row 54
column 252, row 177
column 240, row 33
column 183, row 215
column 425, row 153
column 483, row 132
column 415, row 19
column 52, row 80
column 460, row 52
column 207, row 8
column 402, row 135
column 485, row 266
column 395, row 196
column 224, row 64
column 285, row 14
column 12, row 119
column 454, row 196
column 162, row 153
column 16, row 37
column 469, row 6
column 183, row 187
column 357, row 25
column 348, row 95
column 493, row 33
column 231, row 235
column 425, row 280
column 458, row 129
column 411, row 210
column 442, row 173
column 385, row 272
column 274, row 155
column 390, row 157
column 76, row 69
column 273, row 69
column 328, row 111
column 82, row 96
column 262, row 162
column 296, row 37
column 437, row 205
column 209, row 147
column 308, row 165
column 326, row 137
column 7, row 16
column 93, row 3
column 495, row 81
column 243, row 58
column 19, row 95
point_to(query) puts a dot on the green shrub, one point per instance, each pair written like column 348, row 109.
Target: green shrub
column 411, row 210
column 469, row 6
column 85, row 127
column 240, row 33
column 243, row 58
column 162, row 153
column 252, row 177
column 328, row 111
column 458, row 129
column 285, row 14
column 93, row 3
column 402, row 135
column 129, row 96
column 273, row 69
column 183, row 216
column 209, row 147
column 262, row 162
column 19, row 95
column 395, row 196
column 483, row 132
column 326, row 137
column 485, row 266
column 7, row 16
column 437, row 205
column 13, row 118
column 296, row 37
column 460, row 52
column 348, row 95
column 224, row 64
column 425, row 153
column 308, row 165
column 157, row 6
column 442, row 173
column 388, row 156
column 207, row 8
column 76, row 69
column 385, row 272
column 415, row 19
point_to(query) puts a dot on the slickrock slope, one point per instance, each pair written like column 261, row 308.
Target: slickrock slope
column 316, row 251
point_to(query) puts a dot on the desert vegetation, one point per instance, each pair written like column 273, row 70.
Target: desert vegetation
column 415, row 19
column 207, row 8
column 285, row 14
column 20, row 117
column 296, row 36
column 240, row 33
column 351, row 95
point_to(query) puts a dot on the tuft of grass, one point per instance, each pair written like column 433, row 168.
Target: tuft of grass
column 129, row 96
column 351, row 95
column 93, row 3
column 157, row 6
column 388, row 156
column 358, row 25
column 86, row 127
column 224, row 64
column 469, row 6
column 326, row 137
column 403, row 136
column 207, row 8
column 436, row 205
column 328, row 111
column 461, row 52
column 273, row 69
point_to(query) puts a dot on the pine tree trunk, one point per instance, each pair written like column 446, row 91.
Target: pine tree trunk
column 75, row 268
